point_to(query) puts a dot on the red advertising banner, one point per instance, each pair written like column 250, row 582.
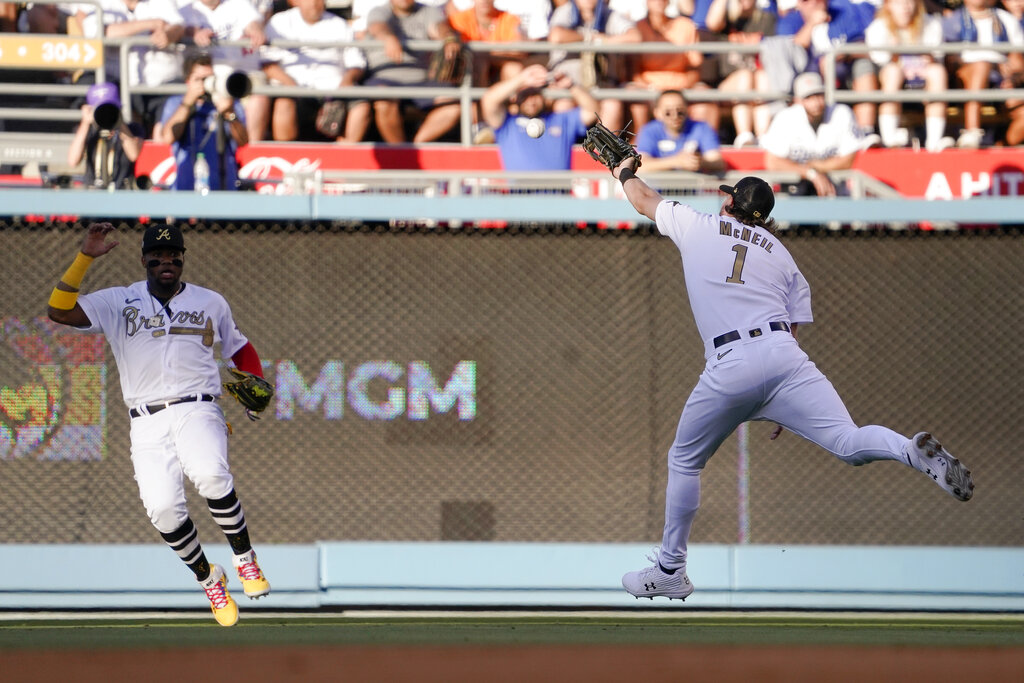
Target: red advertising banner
column 951, row 174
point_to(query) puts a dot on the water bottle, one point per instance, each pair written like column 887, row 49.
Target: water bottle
column 202, row 174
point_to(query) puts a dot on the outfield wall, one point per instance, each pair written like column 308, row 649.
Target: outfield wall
column 516, row 391
column 529, row 575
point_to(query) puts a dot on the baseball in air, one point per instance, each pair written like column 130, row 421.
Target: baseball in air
column 535, row 128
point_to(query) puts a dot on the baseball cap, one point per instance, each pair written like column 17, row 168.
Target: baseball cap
column 163, row 237
column 751, row 195
column 808, row 84
column 103, row 93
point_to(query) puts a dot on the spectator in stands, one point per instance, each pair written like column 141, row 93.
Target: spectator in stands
column 533, row 14
column 907, row 23
column 317, row 66
column 812, row 139
column 979, row 21
column 484, row 22
column 199, row 123
column 108, row 144
column 155, row 64
column 675, row 142
column 592, row 21
column 742, row 22
column 38, row 18
column 1014, row 7
column 1014, row 134
column 266, row 8
column 509, row 107
column 208, row 22
column 696, row 10
column 394, row 65
column 358, row 13
column 805, row 34
column 660, row 71
column 9, row 16
column 634, row 9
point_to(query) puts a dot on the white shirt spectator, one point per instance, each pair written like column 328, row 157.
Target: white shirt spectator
column 791, row 136
column 1014, row 36
column 878, row 34
column 360, row 10
column 228, row 21
column 634, row 9
column 146, row 65
column 318, row 67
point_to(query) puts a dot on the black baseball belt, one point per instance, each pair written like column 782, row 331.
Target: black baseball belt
column 151, row 408
column 756, row 332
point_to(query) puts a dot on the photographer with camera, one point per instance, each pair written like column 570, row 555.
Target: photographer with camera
column 205, row 127
column 109, row 145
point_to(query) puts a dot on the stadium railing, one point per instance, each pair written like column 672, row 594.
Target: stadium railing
column 466, row 93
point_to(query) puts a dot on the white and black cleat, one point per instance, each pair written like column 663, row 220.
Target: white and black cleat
column 652, row 582
column 928, row 456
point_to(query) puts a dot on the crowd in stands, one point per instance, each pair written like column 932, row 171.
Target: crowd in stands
column 791, row 36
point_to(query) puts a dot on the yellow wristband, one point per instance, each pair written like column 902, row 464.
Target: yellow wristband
column 62, row 299
column 75, row 273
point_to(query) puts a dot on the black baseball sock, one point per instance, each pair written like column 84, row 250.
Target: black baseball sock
column 184, row 541
column 227, row 512
column 667, row 571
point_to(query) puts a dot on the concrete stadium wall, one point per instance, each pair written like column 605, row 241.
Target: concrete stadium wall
column 527, row 575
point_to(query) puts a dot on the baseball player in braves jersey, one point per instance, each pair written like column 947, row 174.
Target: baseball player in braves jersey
column 161, row 331
column 748, row 297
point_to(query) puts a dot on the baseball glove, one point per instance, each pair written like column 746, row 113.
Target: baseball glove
column 252, row 391
column 607, row 148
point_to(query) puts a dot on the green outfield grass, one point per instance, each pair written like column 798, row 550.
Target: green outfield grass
column 266, row 629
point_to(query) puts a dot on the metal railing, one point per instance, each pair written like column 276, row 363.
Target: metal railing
column 466, row 93
column 834, row 94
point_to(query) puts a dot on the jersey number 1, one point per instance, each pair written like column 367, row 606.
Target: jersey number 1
column 737, row 264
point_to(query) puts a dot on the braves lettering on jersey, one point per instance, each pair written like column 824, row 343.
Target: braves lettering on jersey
column 163, row 352
column 719, row 253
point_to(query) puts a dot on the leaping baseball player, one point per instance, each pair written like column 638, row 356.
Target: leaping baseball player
column 748, row 298
column 161, row 331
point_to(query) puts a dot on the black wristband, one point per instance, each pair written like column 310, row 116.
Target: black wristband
column 626, row 174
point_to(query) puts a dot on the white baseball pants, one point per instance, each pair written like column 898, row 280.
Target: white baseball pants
column 183, row 440
column 765, row 378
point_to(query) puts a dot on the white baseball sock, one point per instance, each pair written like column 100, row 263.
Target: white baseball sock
column 934, row 129
column 682, row 499
column 887, row 125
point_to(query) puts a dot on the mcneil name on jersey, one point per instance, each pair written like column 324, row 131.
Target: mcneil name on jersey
column 744, row 233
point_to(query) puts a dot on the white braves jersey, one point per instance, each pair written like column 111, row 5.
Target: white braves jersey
column 164, row 352
column 146, row 65
column 316, row 66
column 737, row 276
column 228, row 21
column 791, row 136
